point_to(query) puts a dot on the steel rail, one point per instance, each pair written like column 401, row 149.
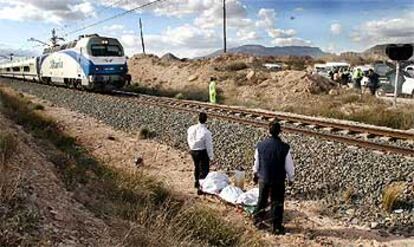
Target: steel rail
column 263, row 124
column 305, row 120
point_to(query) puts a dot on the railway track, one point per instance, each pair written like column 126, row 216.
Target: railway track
column 370, row 137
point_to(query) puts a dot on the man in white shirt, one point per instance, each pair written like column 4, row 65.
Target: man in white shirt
column 200, row 141
column 273, row 164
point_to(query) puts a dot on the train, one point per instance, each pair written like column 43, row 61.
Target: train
column 90, row 62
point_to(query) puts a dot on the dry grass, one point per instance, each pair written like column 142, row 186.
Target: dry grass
column 349, row 195
column 349, row 105
column 235, row 66
column 19, row 217
column 390, row 198
column 157, row 216
column 145, row 133
column 185, row 93
column 7, row 147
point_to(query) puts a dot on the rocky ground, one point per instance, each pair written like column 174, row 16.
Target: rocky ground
column 350, row 180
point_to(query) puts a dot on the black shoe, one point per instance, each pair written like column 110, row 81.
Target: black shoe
column 259, row 225
column 197, row 185
column 280, row 230
column 199, row 192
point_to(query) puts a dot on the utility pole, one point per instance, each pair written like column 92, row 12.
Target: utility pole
column 142, row 36
column 224, row 28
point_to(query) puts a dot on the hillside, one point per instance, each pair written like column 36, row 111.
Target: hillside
column 259, row 50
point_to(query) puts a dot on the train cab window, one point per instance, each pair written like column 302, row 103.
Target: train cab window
column 104, row 50
column 26, row 69
column 16, row 69
column 8, row 69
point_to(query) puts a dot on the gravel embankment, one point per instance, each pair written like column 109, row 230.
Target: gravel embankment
column 325, row 170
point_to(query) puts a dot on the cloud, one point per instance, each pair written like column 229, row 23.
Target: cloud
column 336, row 28
column 213, row 15
column 293, row 41
column 267, row 18
column 46, row 10
column 280, row 37
column 282, row 33
column 185, row 41
column 5, row 50
column 392, row 30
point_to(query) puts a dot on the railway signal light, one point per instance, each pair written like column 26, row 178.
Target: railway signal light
column 398, row 53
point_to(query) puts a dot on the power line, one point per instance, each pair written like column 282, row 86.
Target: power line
column 115, row 16
column 114, row 4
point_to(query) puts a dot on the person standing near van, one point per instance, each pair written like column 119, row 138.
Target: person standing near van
column 373, row 83
column 272, row 165
column 357, row 77
column 200, row 141
column 212, row 90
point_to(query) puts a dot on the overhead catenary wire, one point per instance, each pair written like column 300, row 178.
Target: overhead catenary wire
column 115, row 16
column 110, row 5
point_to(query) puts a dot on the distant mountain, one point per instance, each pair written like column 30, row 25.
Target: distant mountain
column 259, row 50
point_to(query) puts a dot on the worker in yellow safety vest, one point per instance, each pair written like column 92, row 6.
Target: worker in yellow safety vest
column 357, row 77
column 212, row 90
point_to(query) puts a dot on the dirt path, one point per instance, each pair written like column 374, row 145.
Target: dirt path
column 63, row 221
column 116, row 148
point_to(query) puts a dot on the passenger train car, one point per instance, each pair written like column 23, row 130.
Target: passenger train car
column 91, row 62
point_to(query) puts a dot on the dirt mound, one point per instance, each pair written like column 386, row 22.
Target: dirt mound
column 169, row 57
column 240, row 77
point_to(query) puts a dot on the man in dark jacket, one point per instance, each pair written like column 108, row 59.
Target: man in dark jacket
column 373, row 81
column 273, row 163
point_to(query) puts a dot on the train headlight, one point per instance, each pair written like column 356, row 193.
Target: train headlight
column 121, row 68
column 97, row 68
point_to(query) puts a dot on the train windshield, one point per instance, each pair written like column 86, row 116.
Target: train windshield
column 106, row 50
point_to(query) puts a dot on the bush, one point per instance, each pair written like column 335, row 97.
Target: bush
column 235, row 66
column 390, row 198
column 38, row 107
column 7, row 147
column 145, row 133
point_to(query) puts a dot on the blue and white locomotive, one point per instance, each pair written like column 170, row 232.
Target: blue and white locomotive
column 90, row 62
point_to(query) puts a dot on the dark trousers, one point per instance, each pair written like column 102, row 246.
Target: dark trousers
column 201, row 165
column 277, row 198
column 357, row 83
column 373, row 89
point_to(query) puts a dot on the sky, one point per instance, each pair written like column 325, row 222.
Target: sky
column 191, row 28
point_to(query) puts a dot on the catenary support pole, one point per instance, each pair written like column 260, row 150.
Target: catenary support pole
column 396, row 84
column 224, row 28
column 142, row 36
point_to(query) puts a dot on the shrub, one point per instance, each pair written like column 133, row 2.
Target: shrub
column 179, row 96
column 7, row 147
column 391, row 195
column 145, row 133
column 235, row 66
column 38, row 107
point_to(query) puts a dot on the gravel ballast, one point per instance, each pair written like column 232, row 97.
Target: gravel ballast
column 349, row 181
